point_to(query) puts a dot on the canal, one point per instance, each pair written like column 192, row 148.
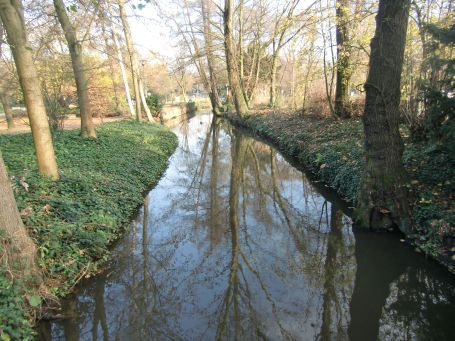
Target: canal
column 235, row 243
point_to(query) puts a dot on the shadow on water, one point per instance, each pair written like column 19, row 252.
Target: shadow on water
column 234, row 243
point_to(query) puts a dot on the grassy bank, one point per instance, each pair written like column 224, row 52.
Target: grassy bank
column 333, row 150
column 75, row 219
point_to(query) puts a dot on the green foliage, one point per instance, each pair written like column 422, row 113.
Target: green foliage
column 154, row 102
column 438, row 88
column 14, row 324
column 191, row 106
column 74, row 220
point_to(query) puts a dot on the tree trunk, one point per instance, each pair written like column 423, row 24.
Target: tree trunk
column 272, row 98
column 343, row 59
column 144, row 102
column 133, row 58
column 383, row 199
column 214, row 95
column 7, row 110
column 21, row 249
column 122, row 69
column 75, row 48
column 232, row 69
column 13, row 22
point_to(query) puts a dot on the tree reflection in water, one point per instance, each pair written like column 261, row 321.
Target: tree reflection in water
column 235, row 243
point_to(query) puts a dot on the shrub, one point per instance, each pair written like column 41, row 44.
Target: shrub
column 154, row 102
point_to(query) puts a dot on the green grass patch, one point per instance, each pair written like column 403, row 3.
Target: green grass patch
column 75, row 219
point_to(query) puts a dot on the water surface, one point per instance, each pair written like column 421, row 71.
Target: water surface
column 234, row 243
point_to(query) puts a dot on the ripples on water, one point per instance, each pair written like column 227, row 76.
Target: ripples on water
column 235, row 243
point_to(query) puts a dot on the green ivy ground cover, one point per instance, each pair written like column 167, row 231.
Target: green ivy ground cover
column 75, row 219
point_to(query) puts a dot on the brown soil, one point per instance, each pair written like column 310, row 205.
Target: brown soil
column 71, row 122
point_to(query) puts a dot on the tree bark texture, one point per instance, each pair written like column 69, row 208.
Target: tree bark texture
column 11, row 14
column 344, row 71
column 21, row 250
column 133, row 58
column 383, row 199
column 232, row 69
column 75, row 48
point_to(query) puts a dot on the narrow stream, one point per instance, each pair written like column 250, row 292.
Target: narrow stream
column 235, row 243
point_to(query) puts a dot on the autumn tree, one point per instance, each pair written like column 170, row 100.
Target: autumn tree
column 383, row 199
column 11, row 14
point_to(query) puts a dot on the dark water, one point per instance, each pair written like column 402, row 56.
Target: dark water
column 235, row 243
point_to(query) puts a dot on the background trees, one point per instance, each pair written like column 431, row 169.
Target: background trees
column 310, row 56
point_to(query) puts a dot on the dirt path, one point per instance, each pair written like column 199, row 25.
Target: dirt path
column 71, row 122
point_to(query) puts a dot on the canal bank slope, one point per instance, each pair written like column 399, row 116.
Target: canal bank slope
column 333, row 150
column 76, row 219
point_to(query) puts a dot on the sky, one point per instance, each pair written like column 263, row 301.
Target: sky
column 151, row 32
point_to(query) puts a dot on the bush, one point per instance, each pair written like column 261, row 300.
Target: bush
column 191, row 107
column 154, row 102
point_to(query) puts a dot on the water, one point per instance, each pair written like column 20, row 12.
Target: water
column 235, row 243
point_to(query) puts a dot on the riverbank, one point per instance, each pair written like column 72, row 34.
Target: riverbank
column 332, row 150
column 76, row 219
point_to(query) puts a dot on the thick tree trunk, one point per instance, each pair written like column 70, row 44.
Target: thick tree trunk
column 343, row 59
column 21, row 249
column 383, row 199
column 13, row 22
column 75, row 48
column 7, row 110
column 232, row 69
column 133, row 58
column 214, row 95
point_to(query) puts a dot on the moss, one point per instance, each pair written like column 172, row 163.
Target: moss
column 75, row 219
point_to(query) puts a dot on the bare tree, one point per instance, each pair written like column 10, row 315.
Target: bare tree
column 208, row 36
column 132, row 57
column 75, row 48
column 231, row 60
